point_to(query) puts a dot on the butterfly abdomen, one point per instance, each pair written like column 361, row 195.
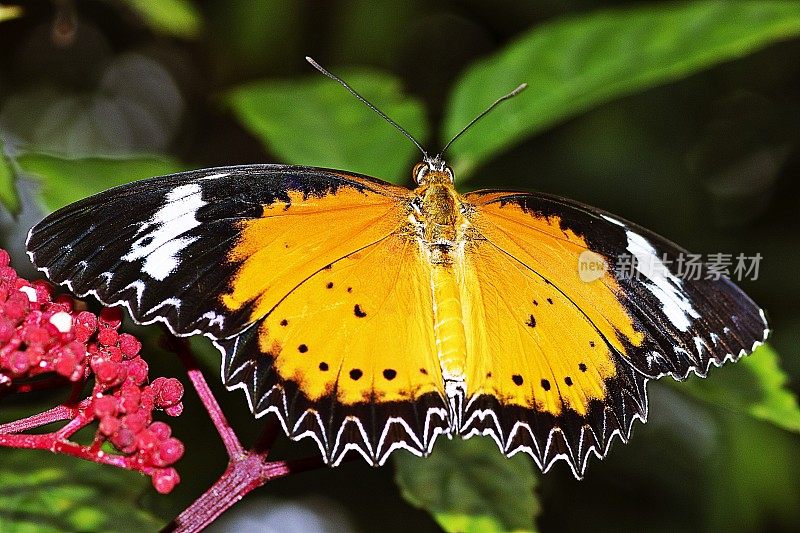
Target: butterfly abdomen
column 448, row 324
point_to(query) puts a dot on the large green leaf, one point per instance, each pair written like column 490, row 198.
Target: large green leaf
column 753, row 478
column 469, row 486
column 8, row 188
column 172, row 17
column 45, row 492
column 575, row 63
column 756, row 386
column 317, row 122
column 64, row 181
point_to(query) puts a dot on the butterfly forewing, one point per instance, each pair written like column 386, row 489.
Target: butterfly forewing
column 173, row 248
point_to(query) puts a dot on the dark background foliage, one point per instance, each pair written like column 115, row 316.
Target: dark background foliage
column 95, row 93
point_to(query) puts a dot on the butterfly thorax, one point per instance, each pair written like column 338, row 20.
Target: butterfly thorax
column 437, row 215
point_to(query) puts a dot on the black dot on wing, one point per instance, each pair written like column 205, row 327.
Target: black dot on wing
column 568, row 381
column 488, row 374
column 349, row 289
column 328, row 267
column 359, row 312
column 550, row 301
column 302, row 348
column 545, row 384
column 517, row 379
column 323, row 366
column 423, row 371
column 535, row 302
column 390, row 373
column 582, row 367
column 531, row 322
column 356, row 374
column 146, row 241
column 329, row 285
column 284, row 322
column 591, row 343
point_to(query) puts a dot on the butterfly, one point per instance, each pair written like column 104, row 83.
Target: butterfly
column 371, row 317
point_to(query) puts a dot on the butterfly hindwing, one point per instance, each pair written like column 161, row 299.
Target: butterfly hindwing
column 348, row 357
column 543, row 377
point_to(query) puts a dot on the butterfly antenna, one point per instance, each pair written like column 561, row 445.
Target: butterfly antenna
column 368, row 104
column 497, row 102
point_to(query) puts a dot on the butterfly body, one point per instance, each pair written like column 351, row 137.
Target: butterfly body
column 371, row 317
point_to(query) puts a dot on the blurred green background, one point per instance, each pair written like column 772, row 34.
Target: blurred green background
column 681, row 116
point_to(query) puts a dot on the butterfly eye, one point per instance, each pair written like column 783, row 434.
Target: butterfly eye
column 420, row 169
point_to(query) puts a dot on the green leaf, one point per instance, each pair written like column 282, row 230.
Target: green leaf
column 179, row 18
column 317, row 122
column 8, row 189
column 64, row 181
column 469, row 486
column 756, row 385
column 45, row 492
column 753, row 479
column 10, row 12
column 575, row 63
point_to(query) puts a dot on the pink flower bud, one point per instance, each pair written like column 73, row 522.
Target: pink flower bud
column 169, row 391
column 129, row 345
column 137, row 371
column 147, row 441
column 161, row 430
column 165, row 480
column 135, row 421
column 175, row 410
column 124, row 439
column 169, row 452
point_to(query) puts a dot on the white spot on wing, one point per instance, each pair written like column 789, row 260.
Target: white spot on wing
column 162, row 232
column 215, row 176
column 661, row 282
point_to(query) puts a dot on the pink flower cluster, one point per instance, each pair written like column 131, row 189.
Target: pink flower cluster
column 40, row 335
column 36, row 334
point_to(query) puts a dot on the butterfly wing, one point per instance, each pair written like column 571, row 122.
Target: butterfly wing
column 168, row 247
column 227, row 251
column 559, row 364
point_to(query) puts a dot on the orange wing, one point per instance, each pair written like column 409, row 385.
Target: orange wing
column 303, row 277
column 558, row 362
column 348, row 357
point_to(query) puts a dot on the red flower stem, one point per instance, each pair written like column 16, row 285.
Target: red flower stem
column 243, row 475
column 51, row 442
column 226, row 433
column 56, row 414
column 80, row 421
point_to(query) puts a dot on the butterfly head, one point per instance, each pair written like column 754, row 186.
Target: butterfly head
column 432, row 170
